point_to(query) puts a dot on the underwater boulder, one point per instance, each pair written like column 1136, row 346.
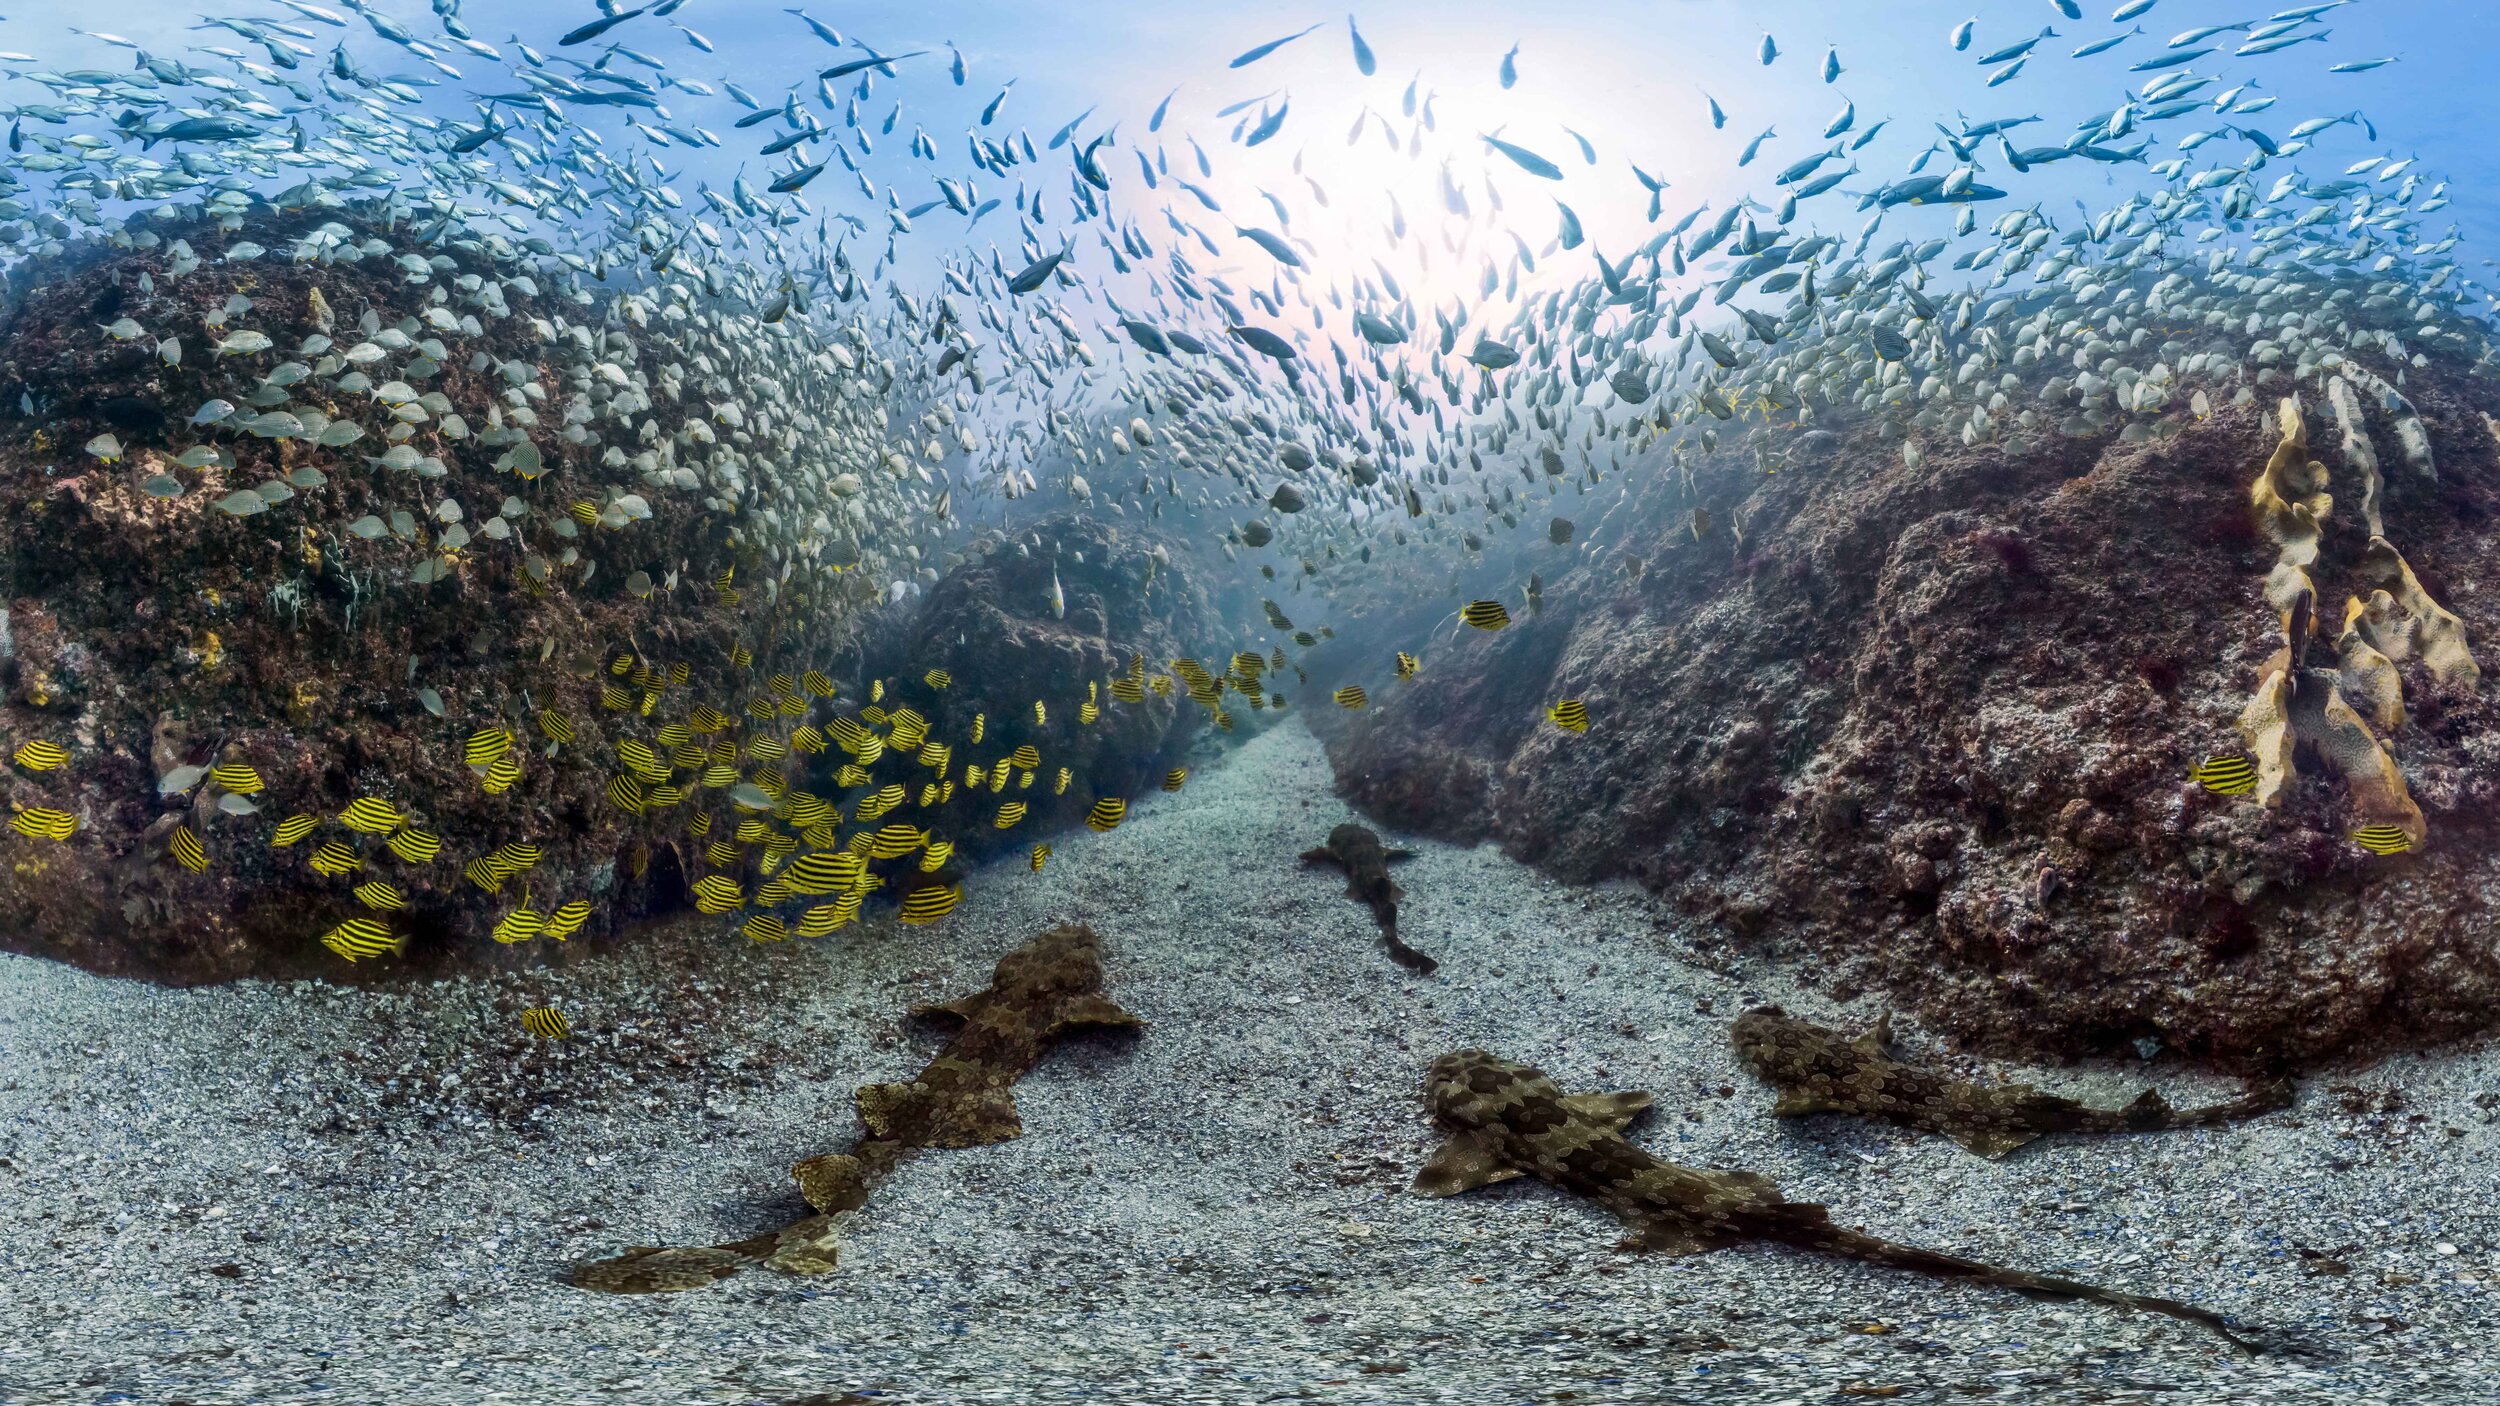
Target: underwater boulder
column 1925, row 723
column 443, row 628
column 989, row 630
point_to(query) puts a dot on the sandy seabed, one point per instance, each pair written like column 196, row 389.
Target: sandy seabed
column 271, row 1193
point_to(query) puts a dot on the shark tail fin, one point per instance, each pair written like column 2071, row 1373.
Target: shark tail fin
column 925, row 1117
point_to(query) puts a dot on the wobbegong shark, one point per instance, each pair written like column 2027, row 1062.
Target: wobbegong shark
column 965, row 1097
column 1506, row 1120
column 1818, row 1070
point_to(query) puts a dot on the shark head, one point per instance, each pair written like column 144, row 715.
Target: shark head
column 1470, row 1089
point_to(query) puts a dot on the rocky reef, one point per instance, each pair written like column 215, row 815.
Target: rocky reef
column 442, row 502
column 989, row 628
column 1924, row 718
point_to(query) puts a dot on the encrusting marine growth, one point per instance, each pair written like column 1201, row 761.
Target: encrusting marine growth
column 2348, row 713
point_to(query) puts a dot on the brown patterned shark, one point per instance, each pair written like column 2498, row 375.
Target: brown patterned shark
column 1506, row 1120
column 1359, row 853
column 1819, row 1070
column 963, row 1098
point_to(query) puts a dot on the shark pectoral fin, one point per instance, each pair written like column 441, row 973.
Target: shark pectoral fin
column 1990, row 1142
column 832, row 1183
column 1797, row 1103
column 1394, row 855
column 961, row 1008
column 1093, row 1010
column 1465, row 1162
column 805, row 1247
column 649, row 1269
column 1319, row 856
column 2147, row 1110
column 1614, row 1112
column 1878, row 1037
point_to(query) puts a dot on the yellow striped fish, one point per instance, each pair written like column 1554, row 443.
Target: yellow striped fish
column 555, row 726
column 940, row 851
column 378, row 895
column 2383, row 839
column 415, row 846
column 816, row 683
column 484, row 746
column 824, row 918
column 568, row 920
column 626, row 794
column 40, row 755
column 502, row 774
column 44, row 823
column 293, row 828
column 362, row 937
column 1060, row 788
column 1008, row 815
column 937, row 678
column 546, row 1022
column 1570, row 715
column 372, row 816
column 1407, row 665
column 237, row 777
column 1485, row 614
column 187, row 849
column 895, row 841
column 2227, row 775
column 1041, row 856
column 1350, row 697
column 717, row 893
column 1107, row 814
column 764, row 927
column 930, row 904
column 520, row 925
column 1172, row 779
column 335, row 857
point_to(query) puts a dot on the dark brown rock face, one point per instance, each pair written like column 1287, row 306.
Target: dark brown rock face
column 1931, row 730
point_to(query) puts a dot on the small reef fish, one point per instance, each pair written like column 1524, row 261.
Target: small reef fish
column 1356, row 850
column 1506, row 1120
column 965, row 1097
column 546, row 1022
column 1818, row 1070
column 2226, row 776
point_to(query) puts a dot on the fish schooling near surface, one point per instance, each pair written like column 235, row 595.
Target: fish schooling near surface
column 1358, row 851
column 1818, row 1070
column 1507, row 1120
column 965, row 1097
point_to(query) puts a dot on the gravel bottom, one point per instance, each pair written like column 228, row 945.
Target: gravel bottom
column 279, row 1193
